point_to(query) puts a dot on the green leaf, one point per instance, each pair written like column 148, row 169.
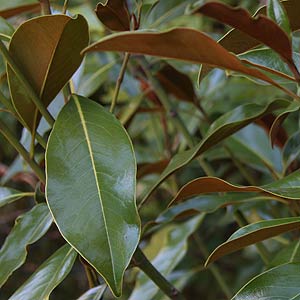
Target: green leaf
column 28, row 228
column 254, row 233
column 8, row 195
column 173, row 247
column 47, row 51
column 94, row 293
column 179, row 43
column 288, row 254
column 90, row 189
column 281, row 282
column 15, row 7
column 223, row 127
column 6, row 29
column 291, row 150
column 276, row 12
column 48, row 276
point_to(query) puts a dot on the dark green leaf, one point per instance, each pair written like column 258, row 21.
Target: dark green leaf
column 276, row 12
column 28, row 229
column 8, row 195
column 47, row 51
column 91, row 170
column 291, row 150
column 281, row 282
column 48, row 276
column 288, row 254
column 94, row 293
column 252, row 234
column 6, row 29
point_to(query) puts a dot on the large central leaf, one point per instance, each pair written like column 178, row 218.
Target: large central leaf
column 91, row 172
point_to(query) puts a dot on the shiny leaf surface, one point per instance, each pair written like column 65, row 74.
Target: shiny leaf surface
column 8, row 195
column 6, row 29
column 91, row 169
column 47, row 64
column 254, row 233
column 278, row 283
column 48, row 276
column 277, row 13
column 94, row 293
column 28, row 228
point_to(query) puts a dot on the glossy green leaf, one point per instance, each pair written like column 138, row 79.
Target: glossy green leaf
column 6, row 29
column 8, row 195
column 223, row 127
column 291, row 150
column 276, row 12
column 90, row 189
column 179, row 43
column 173, row 247
column 47, row 51
column 94, row 293
column 28, row 229
column 288, row 254
column 281, row 282
column 48, row 276
column 254, row 233
column 15, row 7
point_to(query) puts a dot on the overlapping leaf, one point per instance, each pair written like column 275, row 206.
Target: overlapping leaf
column 219, row 130
column 48, row 276
column 6, row 29
column 94, row 293
column 114, row 15
column 47, row 51
column 180, row 43
column 28, row 229
column 254, row 233
column 291, row 150
column 276, row 12
column 278, row 283
column 15, row 7
column 91, row 169
column 8, row 195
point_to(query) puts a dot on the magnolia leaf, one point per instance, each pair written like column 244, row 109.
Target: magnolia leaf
column 90, row 189
column 151, row 168
column 281, row 282
column 238, row 42
column 48, row 276
column 8, row 195
column 288, row 254
column 180, row 43
column 252, row 234
column 223, row 127
column 47, row 51
column 277, row 13
column 94, row 293
column 291, row 150
column 173, row 247
column 114, row 15
column 15, row 7
column 28, row 228
column 6, row 29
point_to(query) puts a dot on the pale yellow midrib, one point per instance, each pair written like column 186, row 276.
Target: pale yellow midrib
column 82, row 119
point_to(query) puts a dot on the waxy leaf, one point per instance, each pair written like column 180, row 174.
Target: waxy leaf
column 254, row 233
column 94, row 293
column 277, row 13
column 8, row 195
column 261, row 28
column 288, row 254
column 15, row 7
column 28, row 229
column 114, row 15
column 219, row 130
column 287, row 188
column 90, row 188
column 291, row 150
column 180, row 43
column 173, row 241
column 48, row 276
column 238, row 42
column 47, row 51
column 6, row 30
column 281, row 282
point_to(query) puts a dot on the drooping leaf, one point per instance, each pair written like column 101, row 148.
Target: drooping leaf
column 8, row 195
column 15, row 7
column 219, row 130
column 6, row 29
column 254, row 233
column 277, row 13
column 114, row 15
column 28, row 229
column 180, row 43
column 278, row 283
column 238, row 42
column 173, row 242
column 91, row 169
column 261, row 28
column 47, row 51
column 48, row 276
column 94, row 293
column 291, row 150
column 287, row 188
column 151, row 168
